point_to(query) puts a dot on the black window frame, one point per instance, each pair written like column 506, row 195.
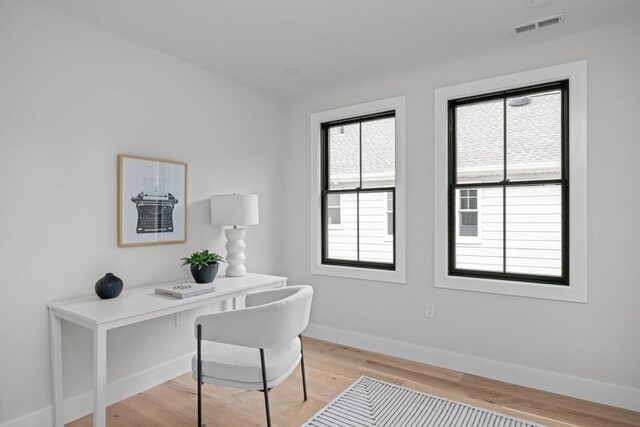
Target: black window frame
column 325, row 191
column 562, row 181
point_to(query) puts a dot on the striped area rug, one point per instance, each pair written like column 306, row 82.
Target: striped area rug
column 369, row 402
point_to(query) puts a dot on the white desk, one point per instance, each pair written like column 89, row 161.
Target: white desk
column 132, row 306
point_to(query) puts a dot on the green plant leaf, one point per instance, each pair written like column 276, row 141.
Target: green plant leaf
column 202, row 258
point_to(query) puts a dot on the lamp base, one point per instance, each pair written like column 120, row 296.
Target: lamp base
column 235, row 252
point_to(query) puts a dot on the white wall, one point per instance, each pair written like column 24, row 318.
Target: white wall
column 596, row 341
column 72, row 98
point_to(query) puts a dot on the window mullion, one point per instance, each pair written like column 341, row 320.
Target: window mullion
column 358, row 193
column 358, row 225
column 510, row 183
column 360, row 150
column 504, row 186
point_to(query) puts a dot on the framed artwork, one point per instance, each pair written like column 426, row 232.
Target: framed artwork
column 152, row 201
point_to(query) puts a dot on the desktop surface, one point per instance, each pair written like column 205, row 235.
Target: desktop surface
column 143, row 300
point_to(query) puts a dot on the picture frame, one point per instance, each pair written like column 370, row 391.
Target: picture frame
column 152, row 201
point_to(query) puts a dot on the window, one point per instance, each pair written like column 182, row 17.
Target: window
column 389, row 215
column 358, row 164
column 510, row 184
column 513, row 144
column 468, row 213
column 334, row 211
column 358, row 178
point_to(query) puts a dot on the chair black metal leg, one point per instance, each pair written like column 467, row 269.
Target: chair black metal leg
column 199, row 375
column 304, row 379
column 265, row 390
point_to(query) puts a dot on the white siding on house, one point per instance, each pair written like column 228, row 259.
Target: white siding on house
column 375, row 244
column 534, row 232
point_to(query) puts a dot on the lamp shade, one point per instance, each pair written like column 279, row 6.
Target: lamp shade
column 234, row 209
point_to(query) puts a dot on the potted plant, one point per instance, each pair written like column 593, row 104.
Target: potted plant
column 204, row 265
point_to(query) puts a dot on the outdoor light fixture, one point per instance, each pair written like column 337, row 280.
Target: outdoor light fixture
column 519, row 102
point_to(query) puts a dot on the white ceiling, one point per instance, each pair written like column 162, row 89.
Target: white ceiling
column 333, row 42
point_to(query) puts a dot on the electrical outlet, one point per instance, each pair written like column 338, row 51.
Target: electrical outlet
column 430, row 311
column 179, row 319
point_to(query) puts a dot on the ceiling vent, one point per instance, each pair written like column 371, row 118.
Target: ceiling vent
column 538, row 24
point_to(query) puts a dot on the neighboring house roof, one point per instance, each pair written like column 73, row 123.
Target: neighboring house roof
column 533, row 135
column 378, row 150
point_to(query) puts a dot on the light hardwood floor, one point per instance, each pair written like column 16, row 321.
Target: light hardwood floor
column 331, row 368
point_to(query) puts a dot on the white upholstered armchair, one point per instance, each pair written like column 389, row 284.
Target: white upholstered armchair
column 254, row 348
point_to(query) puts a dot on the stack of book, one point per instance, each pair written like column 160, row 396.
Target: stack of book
column 185, row 290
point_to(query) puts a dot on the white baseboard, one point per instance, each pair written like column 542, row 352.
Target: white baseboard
column 82, row 404
column 582, row 388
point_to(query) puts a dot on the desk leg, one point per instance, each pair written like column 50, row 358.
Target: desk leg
column 55, row 342
column 234, row 303
column 99, row 377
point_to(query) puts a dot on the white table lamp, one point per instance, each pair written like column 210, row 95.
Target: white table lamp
column 235, row 210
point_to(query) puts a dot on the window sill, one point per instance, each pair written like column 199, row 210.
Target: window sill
column 390, row 276
column 506, row 287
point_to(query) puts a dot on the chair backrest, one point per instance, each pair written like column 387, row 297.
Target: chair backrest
column 272, row 318
column 289, row 309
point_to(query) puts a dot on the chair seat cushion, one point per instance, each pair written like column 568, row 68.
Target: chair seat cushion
column 232, row 363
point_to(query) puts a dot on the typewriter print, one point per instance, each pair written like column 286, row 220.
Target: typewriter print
column 155, row 208
column 152, row 201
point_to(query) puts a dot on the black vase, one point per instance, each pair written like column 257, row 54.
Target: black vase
column 204, row 274
column 109, row 286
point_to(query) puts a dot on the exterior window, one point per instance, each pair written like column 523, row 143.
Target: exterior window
column 389, row 218
column 358, row 175
column 508, row 153
column 468, row 213
column 334, row 213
